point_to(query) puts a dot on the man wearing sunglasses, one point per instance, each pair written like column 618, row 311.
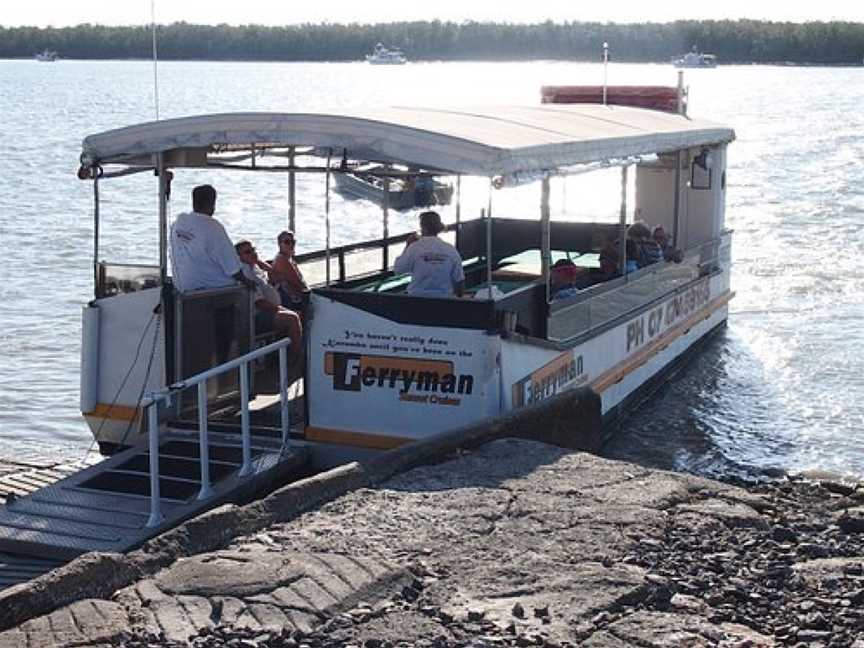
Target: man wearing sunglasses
column 269, row 313
column 286, row 275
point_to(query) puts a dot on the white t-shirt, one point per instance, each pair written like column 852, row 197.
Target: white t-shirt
column 435, row 267
column 263, row 290
column 202, row 255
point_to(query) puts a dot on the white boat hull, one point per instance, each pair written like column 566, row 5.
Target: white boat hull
column 365, row 386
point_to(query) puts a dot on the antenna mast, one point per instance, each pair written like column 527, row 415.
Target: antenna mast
column 605, row 68
column 155, row 59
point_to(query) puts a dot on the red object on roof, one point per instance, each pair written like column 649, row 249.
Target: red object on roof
column 653, row 97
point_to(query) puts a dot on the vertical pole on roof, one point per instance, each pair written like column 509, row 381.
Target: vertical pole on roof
column 489, row 241
column 545, row 233
column 155, row 59
column 96, row 232
column 605, row 68
column 385, row 209
column 327, row 218
column 163, row 217
column 292, row 196
column 676, row 208
column 622, row 224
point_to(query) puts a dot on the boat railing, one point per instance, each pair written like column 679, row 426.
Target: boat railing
column 602, row 304
column 357, row 260
column 164, row 397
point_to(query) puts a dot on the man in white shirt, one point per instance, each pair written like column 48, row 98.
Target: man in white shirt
column 202, row 255
column 269, row 313
column 435, row 265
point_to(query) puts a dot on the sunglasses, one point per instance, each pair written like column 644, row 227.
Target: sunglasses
column 248, row 251
column 287, row 241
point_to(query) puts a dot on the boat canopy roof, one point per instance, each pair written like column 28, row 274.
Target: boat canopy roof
column 484, row 141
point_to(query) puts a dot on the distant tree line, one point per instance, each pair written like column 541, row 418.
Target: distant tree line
column 738, row 41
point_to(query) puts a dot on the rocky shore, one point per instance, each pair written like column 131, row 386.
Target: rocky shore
column 516, row 543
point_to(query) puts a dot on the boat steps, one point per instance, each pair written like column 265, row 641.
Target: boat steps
column 106, row 507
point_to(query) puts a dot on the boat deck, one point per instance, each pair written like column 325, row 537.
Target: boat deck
column 105, row 507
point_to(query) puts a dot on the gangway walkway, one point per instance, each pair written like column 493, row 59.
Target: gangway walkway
column 119, row 503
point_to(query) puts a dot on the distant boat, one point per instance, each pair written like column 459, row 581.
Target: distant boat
column 695, row 59
column 384, row 56
column 47, row 55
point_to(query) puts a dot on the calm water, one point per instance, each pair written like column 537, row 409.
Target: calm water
column 782, row 388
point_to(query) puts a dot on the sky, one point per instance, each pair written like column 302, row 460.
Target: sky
column 59, row 13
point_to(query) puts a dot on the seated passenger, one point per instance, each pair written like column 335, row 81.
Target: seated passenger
column 269, row 313
column 424, row 189
column 647, row 251
column 285, row 274
column 609, row 259
column 668, row 250
column 435, row 265
column 563, row 279
column 632, row 256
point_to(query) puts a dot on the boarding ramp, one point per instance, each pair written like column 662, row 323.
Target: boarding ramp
column 136, row 494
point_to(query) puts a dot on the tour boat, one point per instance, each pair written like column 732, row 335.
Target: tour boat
column 47, row 56
column 384, row 56
column 382, row 367
column 695, row 59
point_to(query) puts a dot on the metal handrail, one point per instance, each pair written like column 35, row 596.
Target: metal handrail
column 155, row 398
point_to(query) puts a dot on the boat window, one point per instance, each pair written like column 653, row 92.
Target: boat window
column 122, row 278
column 602, row 303
column 701, row 170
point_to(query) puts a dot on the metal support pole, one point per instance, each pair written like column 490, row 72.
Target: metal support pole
column 163, row 218
column 292, row 193
column 245, row 435
column 622, row 224
column 458, row 209
column 546, row 234
column 489, row 242
column 156, row 516
column 327, row 218
column 459, row 199
column 676, row 209
column 682, row 107
column 203, row 449
column 283, row 395
column 96, row 233
column 385, row 207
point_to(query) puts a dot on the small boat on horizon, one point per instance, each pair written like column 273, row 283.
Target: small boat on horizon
column 47, row 55
column 384, row 56
column 695, row 59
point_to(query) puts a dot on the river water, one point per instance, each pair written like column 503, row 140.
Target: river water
column 780, row 389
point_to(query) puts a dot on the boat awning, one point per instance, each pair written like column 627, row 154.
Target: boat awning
column 483, row 141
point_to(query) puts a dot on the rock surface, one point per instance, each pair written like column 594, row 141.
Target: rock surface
column 516, row 543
